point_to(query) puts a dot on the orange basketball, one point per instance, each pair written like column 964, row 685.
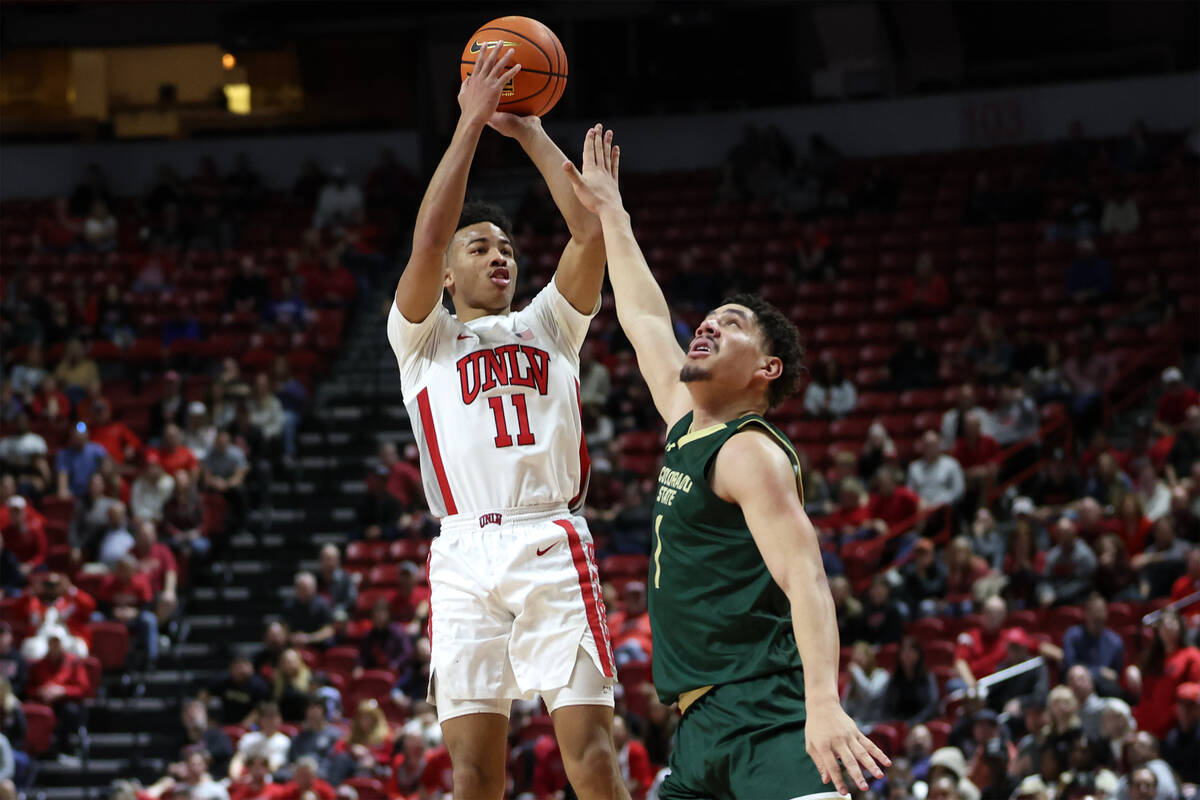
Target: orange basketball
column 543, row 76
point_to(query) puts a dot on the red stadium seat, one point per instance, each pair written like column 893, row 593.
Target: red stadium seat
column 39, row 734
column 414, row 550
column 887, row 737
column 366, row 551
column 110, row 644
column 536, row 728
column 926, row 629
column 367, row 598
column 383, row 576
column 625, row 566
column 854, row 429
column 921, row 399
column 340, row 660
column 939, row 730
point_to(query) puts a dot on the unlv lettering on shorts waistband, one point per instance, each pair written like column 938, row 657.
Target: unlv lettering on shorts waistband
column 490, row 519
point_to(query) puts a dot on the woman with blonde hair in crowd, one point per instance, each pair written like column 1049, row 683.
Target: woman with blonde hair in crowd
column 1062, row 725
column 963, row 569
column 863, row 695
column 369, row 744
column 293, row 681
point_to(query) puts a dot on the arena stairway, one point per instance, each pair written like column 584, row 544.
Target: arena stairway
column 134, row 720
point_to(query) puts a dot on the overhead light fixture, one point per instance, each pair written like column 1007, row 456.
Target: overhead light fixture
column 228, row 61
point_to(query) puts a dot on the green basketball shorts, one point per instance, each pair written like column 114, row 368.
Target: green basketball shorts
column 745, row 741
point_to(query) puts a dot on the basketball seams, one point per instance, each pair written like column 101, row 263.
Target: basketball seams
column 559, row 75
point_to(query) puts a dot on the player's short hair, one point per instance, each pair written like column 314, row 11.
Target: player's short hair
column 475, row 211
column 780, row 339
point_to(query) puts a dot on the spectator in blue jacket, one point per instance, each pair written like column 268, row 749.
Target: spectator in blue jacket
column 1097, row 647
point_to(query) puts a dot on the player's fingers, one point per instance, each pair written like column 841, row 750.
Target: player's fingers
column 503, row 61
column 512, row 73
column 608, row 150
column 876, row 753
column 487, row 53
column 616, row 161
column 589, row 151
column 597, row 143
column 850, row 764
column 827, row 765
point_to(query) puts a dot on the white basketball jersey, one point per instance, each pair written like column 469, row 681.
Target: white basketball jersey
column 494, row 405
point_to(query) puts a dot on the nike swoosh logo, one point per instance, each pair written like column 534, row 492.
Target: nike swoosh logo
column 543, row 551
column 462, row 336
column 477, row 46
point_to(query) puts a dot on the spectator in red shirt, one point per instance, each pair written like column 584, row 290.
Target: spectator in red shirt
column 1188, row 584
column 58, row 605
column 631, row 641
column 404, row 479
column 978, row 454
column 1132, row 524
column 409, row 763
column 50, row 403
column 851, row 513
column 175, row 455
column 1173, row 403
column 58, row 231
column 410, row 605
column 926, row 292
column 255, row 783
column 114, row 436
column 892, row 503
column 304, row 785
column 156, row 561
column 60, row 681
column 549, row 774
column 24, row 535
column 633, row 760
column 332, row 285
column 980, row 650
column 126, row 597
column 1163, row 666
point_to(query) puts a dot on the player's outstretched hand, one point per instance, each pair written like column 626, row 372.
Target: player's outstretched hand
column 831, row 735
column 596, row 187
column 480, row 92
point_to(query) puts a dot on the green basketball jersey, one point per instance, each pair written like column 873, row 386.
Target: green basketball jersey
column 716, row 613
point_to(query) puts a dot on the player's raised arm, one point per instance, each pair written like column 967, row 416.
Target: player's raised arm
column 641, row 307
column 752, row 471
column 581, row 268
column 420, row 286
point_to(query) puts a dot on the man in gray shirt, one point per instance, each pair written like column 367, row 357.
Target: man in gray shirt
column 1069, row 567
column 936, row 477
column 225, row 470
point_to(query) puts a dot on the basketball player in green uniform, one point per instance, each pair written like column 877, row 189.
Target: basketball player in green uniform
column 745, row 635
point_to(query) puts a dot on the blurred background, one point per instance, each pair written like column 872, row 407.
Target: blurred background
column 983, row 217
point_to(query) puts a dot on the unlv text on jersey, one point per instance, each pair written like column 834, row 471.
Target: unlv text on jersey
column 508, row 365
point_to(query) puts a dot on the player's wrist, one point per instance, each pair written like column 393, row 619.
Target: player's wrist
column 612, row 212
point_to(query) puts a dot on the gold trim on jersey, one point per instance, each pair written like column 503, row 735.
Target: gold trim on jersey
column 692, row 436
column 786, row 446
column 692, row 695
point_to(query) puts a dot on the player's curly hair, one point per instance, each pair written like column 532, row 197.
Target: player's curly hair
column 781, row 339
column 481, row 211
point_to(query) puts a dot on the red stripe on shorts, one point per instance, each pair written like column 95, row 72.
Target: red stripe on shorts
column 435, row 454
column 591, row 597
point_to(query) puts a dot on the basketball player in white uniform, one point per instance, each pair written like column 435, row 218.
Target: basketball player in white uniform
column 494, row 401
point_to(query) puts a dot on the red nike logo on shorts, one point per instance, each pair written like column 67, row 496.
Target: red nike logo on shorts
column 462, row 336
column 543, row 551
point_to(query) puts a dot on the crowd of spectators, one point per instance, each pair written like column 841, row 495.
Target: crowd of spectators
column 335, row 694
column 123, row 476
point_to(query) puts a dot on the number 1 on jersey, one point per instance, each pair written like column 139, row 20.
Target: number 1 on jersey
column 524, row 436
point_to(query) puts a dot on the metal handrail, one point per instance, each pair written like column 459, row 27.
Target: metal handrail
column 1008, row 673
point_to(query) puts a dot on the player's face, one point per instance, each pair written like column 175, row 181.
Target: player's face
column 481, row 268
column 728, row 348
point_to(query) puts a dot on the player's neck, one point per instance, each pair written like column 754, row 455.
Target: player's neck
column 715, row 407
column 466, row 313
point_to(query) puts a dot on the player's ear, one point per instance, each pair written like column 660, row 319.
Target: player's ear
column 771, row 367
column 448, row 280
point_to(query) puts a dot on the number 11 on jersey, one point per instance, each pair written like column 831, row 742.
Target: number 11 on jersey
column 524, row 436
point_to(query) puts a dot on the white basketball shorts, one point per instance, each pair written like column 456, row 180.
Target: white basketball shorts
column 515, row 597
